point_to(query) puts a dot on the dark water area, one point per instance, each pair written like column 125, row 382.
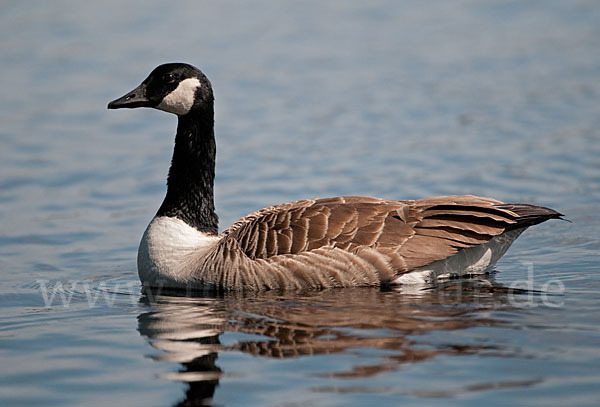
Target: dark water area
column 399, row 100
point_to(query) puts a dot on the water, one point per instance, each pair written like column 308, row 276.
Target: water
column 392, row 99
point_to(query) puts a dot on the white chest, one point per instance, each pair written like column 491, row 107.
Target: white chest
column 171, row 250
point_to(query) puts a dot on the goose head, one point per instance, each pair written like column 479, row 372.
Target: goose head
column 176, row 88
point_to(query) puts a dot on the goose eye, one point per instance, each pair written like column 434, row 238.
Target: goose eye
column 169, row 78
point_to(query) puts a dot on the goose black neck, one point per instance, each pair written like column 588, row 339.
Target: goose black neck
column 192, row 173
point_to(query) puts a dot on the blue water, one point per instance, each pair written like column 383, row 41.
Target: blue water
column 399, row 100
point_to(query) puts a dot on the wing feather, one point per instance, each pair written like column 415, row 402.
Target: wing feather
column 411, row 233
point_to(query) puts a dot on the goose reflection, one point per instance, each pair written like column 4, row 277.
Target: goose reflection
column 187, row 329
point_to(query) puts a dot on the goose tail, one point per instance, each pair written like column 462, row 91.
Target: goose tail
column 529, row 215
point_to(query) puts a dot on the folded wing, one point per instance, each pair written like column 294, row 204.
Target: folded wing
column 411, row 233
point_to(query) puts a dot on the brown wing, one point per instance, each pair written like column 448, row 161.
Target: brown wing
column 413, row 233
column 296, row 227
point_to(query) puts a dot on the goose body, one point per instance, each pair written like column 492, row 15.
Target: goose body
column 315, row 243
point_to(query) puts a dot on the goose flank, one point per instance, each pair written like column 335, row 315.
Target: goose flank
column 315, row 243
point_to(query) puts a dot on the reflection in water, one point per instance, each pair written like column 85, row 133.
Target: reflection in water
column 287, row 325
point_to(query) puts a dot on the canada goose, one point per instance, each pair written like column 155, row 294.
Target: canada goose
column 314, row 243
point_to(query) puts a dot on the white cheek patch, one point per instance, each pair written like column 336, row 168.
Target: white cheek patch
column 181, row 100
